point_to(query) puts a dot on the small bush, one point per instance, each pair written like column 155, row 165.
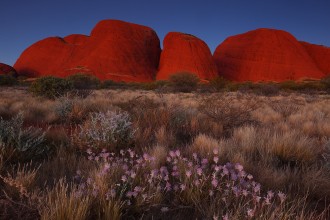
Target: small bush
column 230, row 113
column 21, row 144
column 84, row 81
column 154, row 85
column 64, row 108
column 7, row 80
column 112, row 84
column 51, row 87
column 184, row 82
column 310, row 86
column 268, row 89
column 286, row 108
column 110, row 129
column 326, row 82
column 247, row 86
column 219, row 83
column 289, row 85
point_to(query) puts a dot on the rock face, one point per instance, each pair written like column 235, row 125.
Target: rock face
column 6, row 69
column 115, row 50
column 265, row 55
column 186, row 53
column 320, row 55
column 76, row 39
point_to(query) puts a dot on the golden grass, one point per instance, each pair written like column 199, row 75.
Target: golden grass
column 282, row 143
column 63, row 203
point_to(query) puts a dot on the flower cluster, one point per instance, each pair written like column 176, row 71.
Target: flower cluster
column 136, row 179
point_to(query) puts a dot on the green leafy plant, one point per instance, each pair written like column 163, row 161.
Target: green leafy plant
column 219, row 83
column 7, row 80
column 112, row 84
column 51, row 87
column 184, row 81
column 326, row 82
column 84, row 81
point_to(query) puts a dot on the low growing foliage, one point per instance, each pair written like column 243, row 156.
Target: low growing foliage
column 190, row 180
column 19, row 142
column 7, row 80
column 84, row 81
column 184, row 82
column 110, row 129
column 228, row 112
column 51, row 87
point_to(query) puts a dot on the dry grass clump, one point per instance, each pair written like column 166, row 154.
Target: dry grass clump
column 205, row 145
column 62, row 203
column 163, row 155
column 229, row 111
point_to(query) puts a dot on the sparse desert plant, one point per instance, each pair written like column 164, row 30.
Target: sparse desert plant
column 229, row 112
column 64, row 108
column 326, row 82
column 219, row 83
column 268, row 89
column 51, row 87
column 159, row 84
column 286, row 107
column 180, row 122
column 205, row 145
column 20, row 180
column 84, row 81
column 107, row 84
column 110, row 129
column 19, row 143
column 184, row 81
column 62, row 202
column 7, row 80
column 289, row 85
column 285, row 148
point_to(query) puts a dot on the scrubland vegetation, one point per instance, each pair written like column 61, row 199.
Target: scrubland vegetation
column 223, row 151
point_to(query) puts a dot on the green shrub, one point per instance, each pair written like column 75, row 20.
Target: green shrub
column 21, row 144
column 154, row 85
column 268, row 89
column 219, row 83
column 106, row 84
column 84, row 81
column 289, row 85
column 51, row 87
column 7, row 80
column 326, row 82
column 311, row 86
column 184, row 82
column 306, row 86
column 248, row 86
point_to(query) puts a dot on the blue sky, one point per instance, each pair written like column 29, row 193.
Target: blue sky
column 24, row 22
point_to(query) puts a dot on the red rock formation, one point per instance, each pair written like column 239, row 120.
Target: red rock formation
column 46, row 57
column 321, row 56
column 115, row 50
column 6, row 69
column 186, row 53
column 265, row 55
column 77, row 39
